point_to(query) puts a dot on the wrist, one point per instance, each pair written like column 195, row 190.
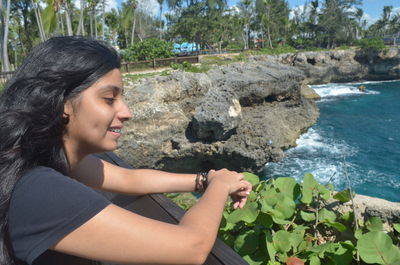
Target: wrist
column 201, row 182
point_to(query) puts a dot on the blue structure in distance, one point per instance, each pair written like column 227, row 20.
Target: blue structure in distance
column 185, row 48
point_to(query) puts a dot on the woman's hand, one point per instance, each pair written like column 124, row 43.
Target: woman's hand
column 239, row 188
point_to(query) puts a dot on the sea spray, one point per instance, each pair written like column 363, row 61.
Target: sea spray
column 361, row 128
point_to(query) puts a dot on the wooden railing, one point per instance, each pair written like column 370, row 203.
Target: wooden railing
column 4, row 77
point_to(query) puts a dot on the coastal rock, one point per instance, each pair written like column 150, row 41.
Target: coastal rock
column 342, row 65
column 366, row 207
column 307, row 92
column 237, row 116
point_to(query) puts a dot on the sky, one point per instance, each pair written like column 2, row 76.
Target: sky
column 372, row 8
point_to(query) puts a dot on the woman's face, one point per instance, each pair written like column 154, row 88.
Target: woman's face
column 96, row 117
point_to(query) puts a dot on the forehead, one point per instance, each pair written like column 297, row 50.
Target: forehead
column 110, row 82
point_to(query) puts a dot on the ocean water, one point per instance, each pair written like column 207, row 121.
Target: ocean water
column 355, row 142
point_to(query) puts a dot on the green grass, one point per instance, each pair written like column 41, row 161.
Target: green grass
column 135, row 77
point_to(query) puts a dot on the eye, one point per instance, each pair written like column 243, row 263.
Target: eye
column 109, row 100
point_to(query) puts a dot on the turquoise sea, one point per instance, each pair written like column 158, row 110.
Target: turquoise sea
column 357, row 135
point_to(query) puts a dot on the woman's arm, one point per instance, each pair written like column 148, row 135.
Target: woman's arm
column 120, row 236
column 100, row 174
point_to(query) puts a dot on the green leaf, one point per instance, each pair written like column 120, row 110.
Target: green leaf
column 248, row 214
column 260, row 186
column 266, row 208
column 307, row 217
column 265, row 220
column 285, row 205
column 342, row 255
column 280, row 221
column 256, row 258
column 374, row 224
column 250, row 177
column 281, row 241
column 376, row 247
column 325, row 215
column 228, row 239
column 348, row 217
column 247, row 242
column 340, row 227
column 314, row 260
column 343, row 196
column 225, row 226
column 348, row 244
column 287, row 186
column 320, row 249
column 309, row 184
column 396, row 227
column 358, row 233
column 269, row 197
column 295, row 239
column 270, row 246
column 282, row 256
column 324, row 192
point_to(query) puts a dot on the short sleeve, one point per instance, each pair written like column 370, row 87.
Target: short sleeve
column 45, row 207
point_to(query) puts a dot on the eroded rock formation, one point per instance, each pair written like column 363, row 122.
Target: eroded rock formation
column 238, row 116
column 342, row 65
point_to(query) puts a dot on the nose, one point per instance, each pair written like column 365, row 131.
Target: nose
column 124, row 114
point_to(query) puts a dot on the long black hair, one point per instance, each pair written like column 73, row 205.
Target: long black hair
column 32, row 120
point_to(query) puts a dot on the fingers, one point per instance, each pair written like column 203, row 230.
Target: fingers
column 239, row 197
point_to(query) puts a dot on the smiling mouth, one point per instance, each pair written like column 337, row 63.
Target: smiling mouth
column 116, row 130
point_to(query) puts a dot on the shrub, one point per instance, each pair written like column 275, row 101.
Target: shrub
column 287, row 222
column 375, row 44
column 147, row 50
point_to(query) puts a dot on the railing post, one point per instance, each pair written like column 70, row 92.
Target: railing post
column 154, row 63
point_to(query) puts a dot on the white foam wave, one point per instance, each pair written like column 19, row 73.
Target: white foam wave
column 323, row 157
column 337, row 90
column 312, row 142
column 372, row 82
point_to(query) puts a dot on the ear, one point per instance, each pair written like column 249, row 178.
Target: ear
column 67, row 111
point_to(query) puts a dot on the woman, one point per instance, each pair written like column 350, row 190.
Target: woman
column 65, row 103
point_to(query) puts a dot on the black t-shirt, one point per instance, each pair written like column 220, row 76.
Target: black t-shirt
column 46, row 206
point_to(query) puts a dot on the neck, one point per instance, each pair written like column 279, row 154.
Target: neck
column 74, row 155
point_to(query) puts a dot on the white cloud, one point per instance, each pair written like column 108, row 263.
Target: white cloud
column 302, row 9
column 369, row 19
column 151, row 7
column 110, row 4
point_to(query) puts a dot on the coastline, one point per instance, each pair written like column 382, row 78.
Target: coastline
column 265, row 84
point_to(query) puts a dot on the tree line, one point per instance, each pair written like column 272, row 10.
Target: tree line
column 211, row 24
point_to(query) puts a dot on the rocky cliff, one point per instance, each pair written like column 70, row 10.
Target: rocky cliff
column 241, row 115
column 342, row 65
column 237, row 116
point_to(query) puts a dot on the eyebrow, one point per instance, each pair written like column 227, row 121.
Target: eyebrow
column 115, row 89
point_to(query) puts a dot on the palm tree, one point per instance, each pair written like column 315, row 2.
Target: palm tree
column 133, row 4
column 39, row 21
column 81, row 27
column 245, row 7
column 51, row 16
column 103, row 19
column 160, row 2
column 66, row 5
column 5, row 27
column 92, row 15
